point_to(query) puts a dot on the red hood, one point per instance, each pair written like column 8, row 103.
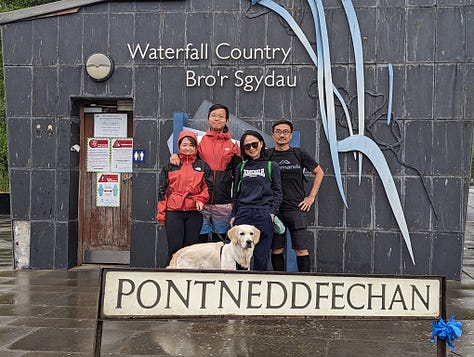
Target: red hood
column 186, row 158
column 186, row 133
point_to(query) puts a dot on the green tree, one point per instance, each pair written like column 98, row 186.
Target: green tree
column 10, row 5
column 5, row 6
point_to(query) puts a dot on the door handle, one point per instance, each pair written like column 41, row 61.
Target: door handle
column 129, row 177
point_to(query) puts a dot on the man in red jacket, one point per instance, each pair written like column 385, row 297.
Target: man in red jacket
column 217, row 149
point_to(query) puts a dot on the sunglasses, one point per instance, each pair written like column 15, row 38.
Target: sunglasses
column 251, row 145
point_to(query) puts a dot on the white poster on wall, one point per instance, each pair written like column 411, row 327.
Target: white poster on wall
column 110, row 125
column 108, row 190
column 98, row 154
column 122, row 155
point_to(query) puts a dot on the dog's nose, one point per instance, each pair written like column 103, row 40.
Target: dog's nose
column 249, row 243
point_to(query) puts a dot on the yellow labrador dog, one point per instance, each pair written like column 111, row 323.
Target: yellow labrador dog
column 219, row 255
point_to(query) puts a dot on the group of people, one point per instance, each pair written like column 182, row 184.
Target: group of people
column 215, row 184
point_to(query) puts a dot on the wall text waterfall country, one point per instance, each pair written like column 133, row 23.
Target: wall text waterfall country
column 249, row 80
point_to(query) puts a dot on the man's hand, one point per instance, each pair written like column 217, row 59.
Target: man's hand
column 199, row 205
column 174, row 159
column 306, row 204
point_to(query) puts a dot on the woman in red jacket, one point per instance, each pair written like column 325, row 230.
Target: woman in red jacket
column 183, row 191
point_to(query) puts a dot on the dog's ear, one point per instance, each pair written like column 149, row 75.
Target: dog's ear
column 256, row 234
column 232, row 234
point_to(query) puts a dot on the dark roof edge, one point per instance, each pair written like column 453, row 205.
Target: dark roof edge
column 43, row 10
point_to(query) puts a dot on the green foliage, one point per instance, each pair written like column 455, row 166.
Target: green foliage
column 10, row 5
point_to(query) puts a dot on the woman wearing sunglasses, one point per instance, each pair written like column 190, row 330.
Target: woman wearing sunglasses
column 257, row 194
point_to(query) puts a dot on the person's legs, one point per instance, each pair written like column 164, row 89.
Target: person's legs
column 205, row 233
column 278, row 261
column 262, row 220
column 220, row 218
column 299, row 239
column 262, row 249
column 192, row 224
column 303, row 262
column 300, row 244
column 278, row 248
column 174, row 226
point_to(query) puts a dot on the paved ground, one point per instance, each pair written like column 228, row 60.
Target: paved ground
column 52, row 313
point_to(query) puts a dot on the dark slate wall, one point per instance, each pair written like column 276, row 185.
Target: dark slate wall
column 428, row 148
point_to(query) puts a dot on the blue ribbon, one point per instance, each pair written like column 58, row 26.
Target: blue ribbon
column 446, row 331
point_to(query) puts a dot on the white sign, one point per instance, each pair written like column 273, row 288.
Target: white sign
column 176, row 293
column 110, row 125
column 98, row 154
column 122, row 155
column 108, row 190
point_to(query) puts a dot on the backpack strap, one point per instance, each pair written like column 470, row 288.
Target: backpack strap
column 269, row 164
column 297, row 152
column 241, row 169
column 270, row 152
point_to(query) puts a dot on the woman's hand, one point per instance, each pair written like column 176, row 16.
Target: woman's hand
column 272, row 216
column 199, row 205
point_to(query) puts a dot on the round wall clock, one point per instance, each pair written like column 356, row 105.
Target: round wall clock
column 99, row 67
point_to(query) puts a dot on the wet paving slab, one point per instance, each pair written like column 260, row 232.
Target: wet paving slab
column 267, row 337
column 53, row 313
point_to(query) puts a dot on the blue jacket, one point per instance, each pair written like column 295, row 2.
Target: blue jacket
column 255, row 188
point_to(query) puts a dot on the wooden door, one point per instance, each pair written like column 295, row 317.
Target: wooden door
column 104, row 232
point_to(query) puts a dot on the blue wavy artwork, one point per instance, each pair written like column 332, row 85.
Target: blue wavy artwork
column 357, row 143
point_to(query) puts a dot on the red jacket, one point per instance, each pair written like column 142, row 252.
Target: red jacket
column 181, row 186
column 223, row 156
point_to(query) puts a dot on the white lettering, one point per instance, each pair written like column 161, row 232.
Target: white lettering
column 254, row 173
column 285, row 54
column 200, row 51
column 252, row 83
column 138, row 48
column 188, row 52
column 225, row 52
column 193, row 80
column 218, row 51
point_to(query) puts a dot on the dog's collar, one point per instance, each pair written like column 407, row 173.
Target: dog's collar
column 237, row 265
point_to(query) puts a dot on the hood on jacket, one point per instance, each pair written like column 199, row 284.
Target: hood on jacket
column 183, row 157
column 222, row 135
column 183, row 134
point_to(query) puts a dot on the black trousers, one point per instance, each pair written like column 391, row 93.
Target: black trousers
column 182, row 229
